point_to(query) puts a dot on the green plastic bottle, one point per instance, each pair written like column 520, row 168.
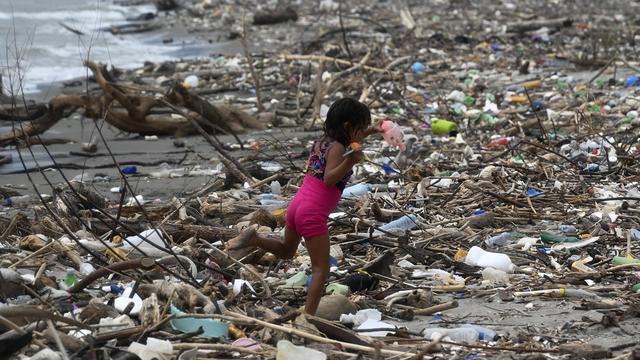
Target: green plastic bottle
column 551, row 238
column 297, row 280
column 620, row 260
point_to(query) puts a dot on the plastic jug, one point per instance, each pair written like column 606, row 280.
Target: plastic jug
column 443, row 127
column 392, row 134
column 288, row 351
column 478, row 257
column 402, row 224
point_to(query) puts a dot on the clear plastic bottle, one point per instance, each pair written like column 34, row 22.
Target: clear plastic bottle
column 461, row 334
column 276, row 188
column 495, row 276
column 568, row 229
column 404, row 223
column 500, row 239
column 484, row 333
column 356, row 190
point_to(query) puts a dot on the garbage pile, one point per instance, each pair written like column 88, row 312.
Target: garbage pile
column 506, row 224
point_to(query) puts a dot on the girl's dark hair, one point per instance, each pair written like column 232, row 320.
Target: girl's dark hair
column 343, row 112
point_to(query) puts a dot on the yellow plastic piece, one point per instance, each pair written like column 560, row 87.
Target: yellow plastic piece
column 532, row 84
column 460, row 255
column 518, row 99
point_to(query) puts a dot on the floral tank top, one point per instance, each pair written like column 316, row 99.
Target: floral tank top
column 317, row 162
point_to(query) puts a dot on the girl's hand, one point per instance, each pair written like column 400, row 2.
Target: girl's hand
column 356, row 157
column 377, row 126
column 359, row 135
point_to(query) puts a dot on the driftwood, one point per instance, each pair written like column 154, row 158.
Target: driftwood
column 522, row 26
column 131, row 111
column 275, row 17
column 133, row 28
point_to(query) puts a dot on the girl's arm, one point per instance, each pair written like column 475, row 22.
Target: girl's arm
column 375, row 128
column 337, row 165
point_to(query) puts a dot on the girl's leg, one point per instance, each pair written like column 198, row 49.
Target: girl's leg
column 318, row 248
column 282, row 248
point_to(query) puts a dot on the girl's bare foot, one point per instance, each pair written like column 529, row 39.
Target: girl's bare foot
column 246, row 239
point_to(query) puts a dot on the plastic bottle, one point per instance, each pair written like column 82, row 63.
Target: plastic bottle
column 17, row 200
column 443, row 127
column 276, row 188
column 568, row 229
column 272, row 202
column 86, row 268
column 461, row 334
column 361, row 316
column 297, row 280
column 130, row 170
column 288, row 351
column 393, row 134
column 500, row 239
column 356, row 190
column 495, row 276
column 620, row 260
column 484, row 333
column 70, row 280
column 478, row 257
column 404, row 223
column 548, row 237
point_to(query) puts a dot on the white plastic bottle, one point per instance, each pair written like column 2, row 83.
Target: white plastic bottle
column 461, row 334
column 404, row 223
column 356, row 190
column 478, row 257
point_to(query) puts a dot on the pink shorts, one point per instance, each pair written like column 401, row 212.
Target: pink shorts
column 309, row 210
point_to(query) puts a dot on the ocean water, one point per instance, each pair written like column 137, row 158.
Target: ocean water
column 31, row 36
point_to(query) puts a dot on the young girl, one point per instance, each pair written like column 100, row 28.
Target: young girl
column 328, row 171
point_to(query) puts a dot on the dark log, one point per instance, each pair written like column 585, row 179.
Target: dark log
column 133, row 28
column 55, row 111
column 275, row 17
column 523, row 26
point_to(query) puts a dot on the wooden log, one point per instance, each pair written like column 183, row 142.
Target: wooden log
column 523, row 26
column 275, row 17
